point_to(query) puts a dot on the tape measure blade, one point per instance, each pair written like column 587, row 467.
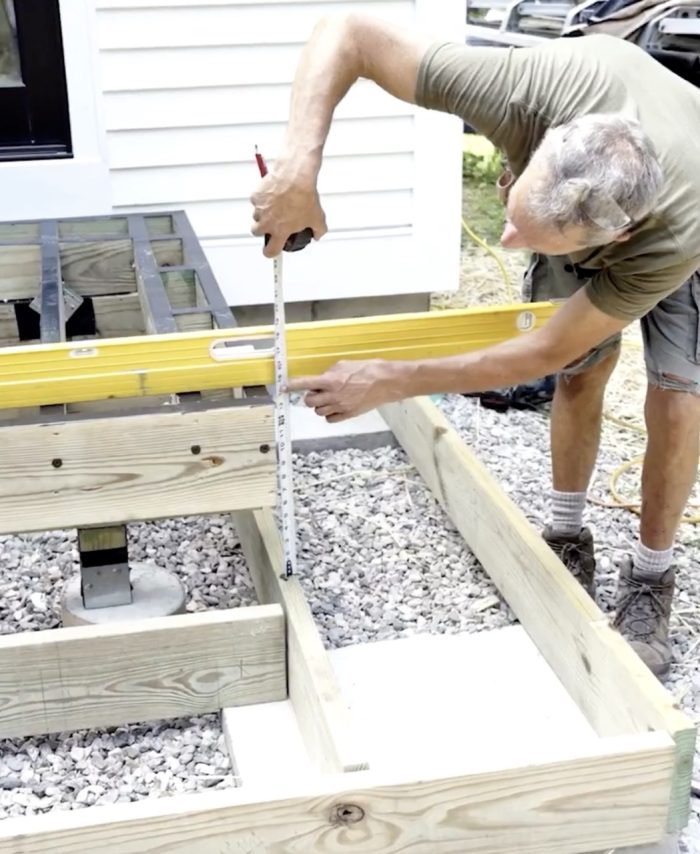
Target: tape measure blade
column 285, row 473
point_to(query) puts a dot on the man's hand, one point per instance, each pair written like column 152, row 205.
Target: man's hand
column 286, row 202
column 349, row 388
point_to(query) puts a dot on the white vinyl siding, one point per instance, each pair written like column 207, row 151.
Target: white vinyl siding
column 187, row 90
column 79, row 185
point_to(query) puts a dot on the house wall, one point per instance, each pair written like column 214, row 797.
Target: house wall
column 80, row 186
column 177, row 94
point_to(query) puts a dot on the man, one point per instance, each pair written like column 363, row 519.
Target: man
column 604, row 147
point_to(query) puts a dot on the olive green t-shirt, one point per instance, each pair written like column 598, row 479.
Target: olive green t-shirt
column 513, row 96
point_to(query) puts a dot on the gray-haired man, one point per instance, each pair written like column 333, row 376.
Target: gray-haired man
column 604, row 145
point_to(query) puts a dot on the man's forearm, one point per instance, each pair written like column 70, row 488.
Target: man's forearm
column 574, row 330
column 507, row 364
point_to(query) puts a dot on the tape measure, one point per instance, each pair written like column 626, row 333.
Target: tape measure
column 283, row 432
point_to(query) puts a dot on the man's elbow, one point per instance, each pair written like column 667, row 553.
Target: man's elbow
column 345, row 26
column 345, row 30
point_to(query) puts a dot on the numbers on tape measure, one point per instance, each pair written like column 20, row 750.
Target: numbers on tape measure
column 282, row 430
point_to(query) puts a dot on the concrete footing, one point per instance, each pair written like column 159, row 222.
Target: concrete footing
column 157, row 592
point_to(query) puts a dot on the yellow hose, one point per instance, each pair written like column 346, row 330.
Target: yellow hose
column 492, row 252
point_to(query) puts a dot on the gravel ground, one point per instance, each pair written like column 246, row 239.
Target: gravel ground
column 379, row 560
column 72, row 770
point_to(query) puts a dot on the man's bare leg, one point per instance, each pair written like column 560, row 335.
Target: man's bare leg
column 647, row 580
column 577, row 412
column 670, row 465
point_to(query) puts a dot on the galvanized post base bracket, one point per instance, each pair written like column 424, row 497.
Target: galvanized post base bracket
column 104, row 567
column 156, row 592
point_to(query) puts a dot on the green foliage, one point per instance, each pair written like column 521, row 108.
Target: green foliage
column 483, row 210
column 482, row 168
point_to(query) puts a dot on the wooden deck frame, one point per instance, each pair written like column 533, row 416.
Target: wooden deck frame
column 606, row 679
column 95, row 676
column 147, row 274
column 150, row 265
column 627, row 790
column 199, row 457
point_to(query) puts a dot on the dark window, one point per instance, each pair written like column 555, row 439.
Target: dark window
column 34, row 119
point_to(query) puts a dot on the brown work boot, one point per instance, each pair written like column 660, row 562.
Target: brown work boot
column 575, row 551
column 642, row 615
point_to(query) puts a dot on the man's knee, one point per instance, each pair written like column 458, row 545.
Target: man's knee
column 673, row 403
column 591, row 372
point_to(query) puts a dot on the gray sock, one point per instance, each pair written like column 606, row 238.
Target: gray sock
column 567, row 512
column 650, row 562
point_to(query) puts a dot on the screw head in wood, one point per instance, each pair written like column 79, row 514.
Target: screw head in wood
column 265, row 449
column 196, row 449
column 57, row 463
column 347, row 814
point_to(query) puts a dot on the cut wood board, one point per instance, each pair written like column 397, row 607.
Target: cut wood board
column 610, row 684
column 583, row 800
column 109, row 470
column 67, row 679
column 321, row 709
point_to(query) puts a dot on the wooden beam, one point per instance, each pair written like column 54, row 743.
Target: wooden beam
column 607, row 680
column 53, row 310
column 20, row 271
column 118, row 316
column 108, row 470
column 190, row 308
column 155, row 305
column 95, row 676
column 99, row 267
column 221, row 313
column 590, row 799
column 323, row 715
column 9, row 333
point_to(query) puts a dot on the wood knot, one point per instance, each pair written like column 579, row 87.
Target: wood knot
column 345, row 814
column 213, row 461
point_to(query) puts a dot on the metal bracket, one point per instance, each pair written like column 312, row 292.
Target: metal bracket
column 71, row 302
column 104, row 567
column 106, row 586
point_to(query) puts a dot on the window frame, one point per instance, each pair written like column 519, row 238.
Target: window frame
column 36, row 121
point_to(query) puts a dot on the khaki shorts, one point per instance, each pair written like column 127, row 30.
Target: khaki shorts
column 671, row 330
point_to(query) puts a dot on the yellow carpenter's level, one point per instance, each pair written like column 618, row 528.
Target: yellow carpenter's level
column 41, row 374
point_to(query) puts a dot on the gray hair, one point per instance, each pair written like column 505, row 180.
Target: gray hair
column 598, row 171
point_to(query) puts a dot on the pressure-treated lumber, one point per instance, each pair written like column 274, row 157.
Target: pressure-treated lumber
column 155, row 304
column 118, row 316
column 590, row 798
column 94, row 268
column 52, row 318
column 609, row 682
column 40, row 374
column 94, row 676
column 109, row 470
column 322, row 713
